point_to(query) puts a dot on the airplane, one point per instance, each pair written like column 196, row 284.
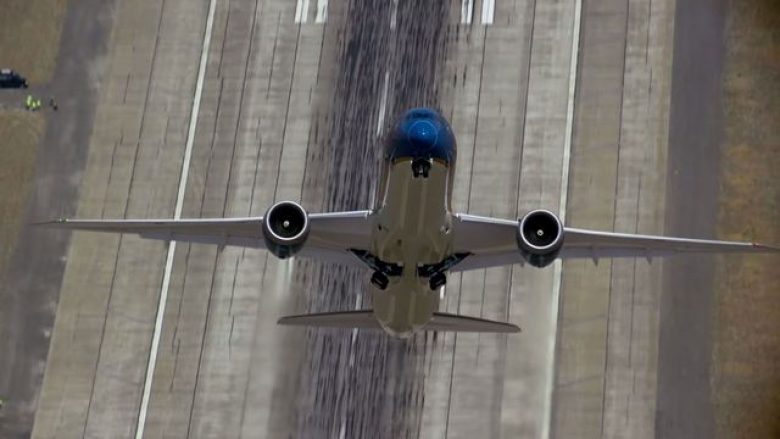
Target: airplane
column 412, row 239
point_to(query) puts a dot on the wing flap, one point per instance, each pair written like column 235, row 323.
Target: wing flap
column 340, row 230
column 483, row 235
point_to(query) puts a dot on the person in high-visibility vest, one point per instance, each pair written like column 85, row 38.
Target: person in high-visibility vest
column 29, row 102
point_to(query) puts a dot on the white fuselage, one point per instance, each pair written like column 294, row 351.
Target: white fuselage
column 413, row 227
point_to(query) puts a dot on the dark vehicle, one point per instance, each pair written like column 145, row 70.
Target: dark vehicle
column 11, row 79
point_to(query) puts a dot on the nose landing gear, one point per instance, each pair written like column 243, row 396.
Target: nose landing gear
column 421, row 167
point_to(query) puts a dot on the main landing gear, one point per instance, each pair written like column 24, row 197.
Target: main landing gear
column 435, row 272
column 437, row 280
column 383, row 271
column 379, row 280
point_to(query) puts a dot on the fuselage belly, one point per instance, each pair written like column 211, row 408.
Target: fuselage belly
column 413, row 220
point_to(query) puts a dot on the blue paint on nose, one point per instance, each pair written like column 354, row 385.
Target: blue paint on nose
column 422, row 134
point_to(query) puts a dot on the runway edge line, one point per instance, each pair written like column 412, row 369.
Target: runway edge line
column 185, row 170
column 558, row 267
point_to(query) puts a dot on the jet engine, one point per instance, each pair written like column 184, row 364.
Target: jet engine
column 285, row 228
column 540, row 237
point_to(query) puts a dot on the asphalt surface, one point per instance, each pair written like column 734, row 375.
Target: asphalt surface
column 31, row 289
column 695, row 134
column 223, row 366
column 279, row 93
column 376, row 381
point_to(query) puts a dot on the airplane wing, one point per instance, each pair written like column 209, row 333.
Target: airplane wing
column 493, row 242
column 330, row 235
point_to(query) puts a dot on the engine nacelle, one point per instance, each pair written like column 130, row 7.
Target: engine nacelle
column 285, row 228
column 540, row 237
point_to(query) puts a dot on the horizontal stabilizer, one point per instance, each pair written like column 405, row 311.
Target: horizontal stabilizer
column 452, row 322
column 339, row 319
column 365, row 319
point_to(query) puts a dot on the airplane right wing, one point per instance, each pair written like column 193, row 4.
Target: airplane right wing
column 539, row 238
column 582, row 243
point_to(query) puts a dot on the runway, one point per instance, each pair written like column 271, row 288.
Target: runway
column 294, row 100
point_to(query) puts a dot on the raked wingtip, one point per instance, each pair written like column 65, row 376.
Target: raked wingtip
column 54, row 222
column 766, row 248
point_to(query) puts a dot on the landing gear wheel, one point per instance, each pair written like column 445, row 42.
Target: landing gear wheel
column 379, row 280
column 437, row 280
column 421, row 167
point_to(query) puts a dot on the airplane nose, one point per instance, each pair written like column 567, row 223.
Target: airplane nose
column 423, row 134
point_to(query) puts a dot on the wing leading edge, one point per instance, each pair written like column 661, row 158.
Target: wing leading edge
column 493, row 242
column 330, row 236
column 582, row 243
column 245, row 232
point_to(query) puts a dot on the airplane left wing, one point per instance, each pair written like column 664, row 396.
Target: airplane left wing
column 244, row 232
column 323, row 236
column 492, row 242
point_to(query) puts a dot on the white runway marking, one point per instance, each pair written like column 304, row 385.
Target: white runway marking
column 185, row 170
column 301, row 11
column 358, row 306
column 557, row 276
column 466, row 11
column 380, row 120
column 394, row 15
column 488, row 11
column 305, row 13
column 322, row 11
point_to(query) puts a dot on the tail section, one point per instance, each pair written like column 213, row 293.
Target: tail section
column 365, row 319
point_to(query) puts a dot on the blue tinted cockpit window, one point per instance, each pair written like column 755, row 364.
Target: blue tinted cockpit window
column 421, row 113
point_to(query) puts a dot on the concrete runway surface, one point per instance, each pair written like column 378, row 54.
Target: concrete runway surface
column 291, row 105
